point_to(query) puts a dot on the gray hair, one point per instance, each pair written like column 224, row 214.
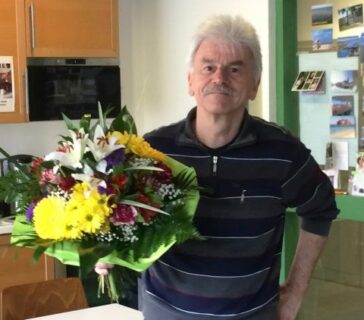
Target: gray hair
column 235, row 29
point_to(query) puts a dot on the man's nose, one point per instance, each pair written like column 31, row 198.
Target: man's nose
column 219, row 76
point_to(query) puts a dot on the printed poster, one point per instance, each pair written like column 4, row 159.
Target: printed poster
column 7, row 94
column 321, row 14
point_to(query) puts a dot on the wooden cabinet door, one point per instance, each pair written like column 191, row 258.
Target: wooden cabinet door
column 72, row 28
column 17, row 267
column 12, row 44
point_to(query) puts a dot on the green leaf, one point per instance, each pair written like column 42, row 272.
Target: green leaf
column 124, row 122
column 90, row 253
column 38, row 252
column 144, row 206
column 85, row 122
column 148, row 168
column 102, row 118
column 69, row 123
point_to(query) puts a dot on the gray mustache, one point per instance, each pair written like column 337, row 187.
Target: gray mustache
column 217, row 89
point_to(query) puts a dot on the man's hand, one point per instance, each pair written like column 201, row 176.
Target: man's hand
column 103, row 268
column 309, row 248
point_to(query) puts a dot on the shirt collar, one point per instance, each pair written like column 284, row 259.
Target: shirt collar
column 246, row 136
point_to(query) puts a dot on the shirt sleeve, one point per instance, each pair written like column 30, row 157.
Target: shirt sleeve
column 310, row 191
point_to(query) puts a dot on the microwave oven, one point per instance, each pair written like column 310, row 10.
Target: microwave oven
column 72, row 86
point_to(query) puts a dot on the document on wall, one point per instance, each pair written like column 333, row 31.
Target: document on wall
column 337, row 155
column 7, row 90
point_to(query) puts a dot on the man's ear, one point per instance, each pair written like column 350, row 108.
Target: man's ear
column 254, row 90
column 191, row 92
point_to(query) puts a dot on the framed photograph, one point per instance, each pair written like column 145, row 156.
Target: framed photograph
column 321, row 39
column 342, row 127
column 344, row 80
column 350, row 17
column 321, row 14
column 342, row 105
column 300, row 81
column 308, row 81
column 348, row 47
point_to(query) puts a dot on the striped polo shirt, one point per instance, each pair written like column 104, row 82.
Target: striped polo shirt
column 246, row 187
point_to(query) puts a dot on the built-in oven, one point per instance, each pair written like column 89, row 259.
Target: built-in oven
column 72, row 86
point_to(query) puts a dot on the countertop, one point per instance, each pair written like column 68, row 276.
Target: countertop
column 6, row 225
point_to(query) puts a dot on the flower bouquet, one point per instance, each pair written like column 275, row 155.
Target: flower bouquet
column 105, row 195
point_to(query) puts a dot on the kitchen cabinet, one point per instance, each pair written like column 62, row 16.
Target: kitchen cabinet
column 72, row 28
column 12, row 44
column 53, row 28
column 17, row 267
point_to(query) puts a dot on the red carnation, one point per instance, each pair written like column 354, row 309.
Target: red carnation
column 164, row 176
column 35, row 165
column 123, row 214
column 67, row 183
column 146, row 213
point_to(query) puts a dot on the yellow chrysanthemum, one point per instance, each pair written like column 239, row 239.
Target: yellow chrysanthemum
column 85, row 212
column 138, row 146
column 90, row 208
column 50, row 218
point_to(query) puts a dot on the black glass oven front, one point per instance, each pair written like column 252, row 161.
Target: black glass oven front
column 73, row 87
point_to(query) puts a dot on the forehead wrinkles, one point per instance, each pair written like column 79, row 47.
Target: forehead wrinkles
column 221, row 52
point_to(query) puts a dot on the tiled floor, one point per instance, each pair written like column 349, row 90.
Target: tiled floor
column 331, row 301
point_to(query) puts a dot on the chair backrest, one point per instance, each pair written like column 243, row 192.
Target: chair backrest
column 42, row 298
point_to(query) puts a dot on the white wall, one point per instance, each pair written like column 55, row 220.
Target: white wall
column 154, row 42
column 155, row 39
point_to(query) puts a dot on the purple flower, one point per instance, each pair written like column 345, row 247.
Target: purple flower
column 114, row 158
column 30, row 211
column 103, row 190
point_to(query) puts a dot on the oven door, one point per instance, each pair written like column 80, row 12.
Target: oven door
column 74, row 90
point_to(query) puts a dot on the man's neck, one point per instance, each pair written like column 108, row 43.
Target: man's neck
column 216, row 131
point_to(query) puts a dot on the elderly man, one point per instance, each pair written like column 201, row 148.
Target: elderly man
column 250, row 171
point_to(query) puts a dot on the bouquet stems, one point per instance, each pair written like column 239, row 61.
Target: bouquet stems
column 108, row 281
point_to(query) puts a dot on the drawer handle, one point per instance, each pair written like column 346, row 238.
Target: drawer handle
column 32, row 27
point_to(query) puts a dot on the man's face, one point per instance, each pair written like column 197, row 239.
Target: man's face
column 222, row 77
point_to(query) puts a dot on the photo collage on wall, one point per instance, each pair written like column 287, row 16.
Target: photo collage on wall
column 344, row 85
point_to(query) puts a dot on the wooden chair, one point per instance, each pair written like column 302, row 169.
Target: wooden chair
column 42, row 298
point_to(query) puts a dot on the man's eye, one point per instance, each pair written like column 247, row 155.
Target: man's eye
column 235, row 69
column 207, row 68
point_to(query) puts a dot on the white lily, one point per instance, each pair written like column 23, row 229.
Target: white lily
column 101, row 167
column 88, row 177
column 72, row 152
column 102, row 145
